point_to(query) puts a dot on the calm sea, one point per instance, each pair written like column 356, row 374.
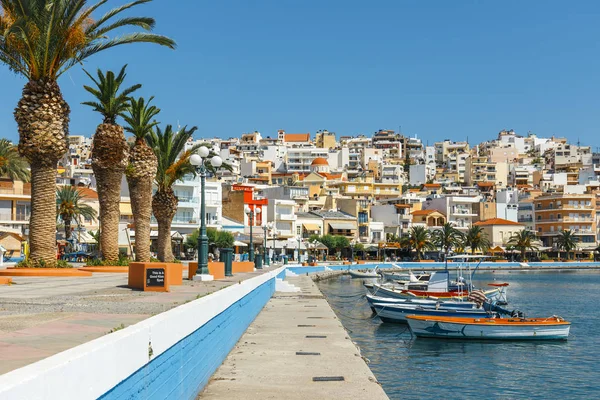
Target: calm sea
column 428, row 368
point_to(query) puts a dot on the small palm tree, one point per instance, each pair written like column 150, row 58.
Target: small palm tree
column 447, row 238
column 566, row 241
column 419, row 239
column 70, row 206
column 41, row 40
column 12, row 166
column 523, row 240
column 141, row 171
column 477, row 239
column 173, row 165
column 110, row 153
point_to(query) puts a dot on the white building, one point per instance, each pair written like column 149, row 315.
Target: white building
column 460, row 211
column 299, row 159
column 283, row 214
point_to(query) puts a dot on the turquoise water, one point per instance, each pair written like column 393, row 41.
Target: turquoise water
column 428, row 368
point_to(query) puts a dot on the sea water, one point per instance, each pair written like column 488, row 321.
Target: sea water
column 410, row 368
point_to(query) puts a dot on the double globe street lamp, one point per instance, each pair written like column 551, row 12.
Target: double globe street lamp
column 199, row 162
column 251, row 212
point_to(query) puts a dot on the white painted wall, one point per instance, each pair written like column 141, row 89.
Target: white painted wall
column 92, row 369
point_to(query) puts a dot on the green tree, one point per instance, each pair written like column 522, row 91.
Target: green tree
column 110, row 154
column 477, row 239
column 419, row 239
column 12, row 166
column 70, row 206
column 447, row 238
column 41, row 40
column 340, row 243
column 216, row 239
column 566, row 241
column 329, row 241
column 523, row 241
column 141, row 171
column 314, row 238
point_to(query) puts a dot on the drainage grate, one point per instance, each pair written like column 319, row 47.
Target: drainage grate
column 315, row 337
column 328, row 378
column 306, row 326
column 307, row 353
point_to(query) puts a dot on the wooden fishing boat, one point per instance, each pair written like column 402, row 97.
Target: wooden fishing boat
column 552, row 328
column 398, row 313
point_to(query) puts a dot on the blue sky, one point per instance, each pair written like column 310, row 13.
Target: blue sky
column 439, row 69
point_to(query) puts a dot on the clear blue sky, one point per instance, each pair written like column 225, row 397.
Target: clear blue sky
column 440, row 69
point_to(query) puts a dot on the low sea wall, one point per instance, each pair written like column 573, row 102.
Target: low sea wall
column 170, row 355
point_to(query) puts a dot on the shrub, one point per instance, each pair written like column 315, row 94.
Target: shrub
column 27, row 263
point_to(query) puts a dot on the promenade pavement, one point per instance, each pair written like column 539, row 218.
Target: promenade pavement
column 295, row 341
column 41, row 316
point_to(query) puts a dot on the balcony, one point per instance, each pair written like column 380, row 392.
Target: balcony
column 17, row 218
column 525, row 219
column 565, row 219
column 286, row 217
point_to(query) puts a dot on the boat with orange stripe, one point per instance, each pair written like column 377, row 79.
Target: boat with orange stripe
column 551, row 328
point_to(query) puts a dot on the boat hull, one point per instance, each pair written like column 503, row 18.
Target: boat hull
column 488, row 329
column 396, row 313
column 423, row 302
column 364, row 275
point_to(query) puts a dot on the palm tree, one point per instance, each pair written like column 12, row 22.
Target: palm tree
column 70, row 206
column 141, row 171
column 41, row 40
column 12, row 166
column 419, row 239
column 110, row 154
column 523, row 240
column 447, row 238
column 477, row 239
column 566, row 241
column 168, row 145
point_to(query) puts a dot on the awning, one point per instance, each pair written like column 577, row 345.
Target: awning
column 125, row 209
column 311, row 227
column 342, row 226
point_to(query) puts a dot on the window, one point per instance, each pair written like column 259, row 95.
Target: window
column 299, row 230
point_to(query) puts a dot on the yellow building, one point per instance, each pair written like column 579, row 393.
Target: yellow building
column 325, row 139
column 499, row 230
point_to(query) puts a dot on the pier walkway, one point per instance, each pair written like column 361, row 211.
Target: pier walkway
column 295, row 349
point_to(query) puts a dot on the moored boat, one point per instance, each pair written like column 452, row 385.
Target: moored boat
column 365, row 273
column 398, row 313
column 424, row 302
column 552, row 328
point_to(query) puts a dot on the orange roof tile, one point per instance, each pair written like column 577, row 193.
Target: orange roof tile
column 87, row 193
column 424, row 212
column 297, row 137
column 496, row 221
column 486, row 184
column 403, row 205
column 432, row 185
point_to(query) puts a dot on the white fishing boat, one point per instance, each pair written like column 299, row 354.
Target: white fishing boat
column 364, row 273
column 371, row 299
column 552, row 328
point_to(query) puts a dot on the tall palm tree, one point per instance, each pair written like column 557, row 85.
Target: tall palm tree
column 477, row 239
column 70, row 206
column 141, row 171
column 173, row 165
column 110, row 153
column 41, row 40
column 419, row 239
column 523, row 240
column 566, row 241
column 447, row 238
column 12, row 166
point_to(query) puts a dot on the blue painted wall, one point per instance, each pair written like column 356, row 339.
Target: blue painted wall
column 182, row 371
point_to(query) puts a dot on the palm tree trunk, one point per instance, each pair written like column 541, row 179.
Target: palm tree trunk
column 109, row 159
column 109, row 197
column 42, row 223
column 140, row 192
column 164, row 207
column 42, row 117
column 67, row 222
column 140, row 175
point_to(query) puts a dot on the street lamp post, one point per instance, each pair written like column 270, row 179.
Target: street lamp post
column 198, row 161
column 265, row 258
column 250, row 213
column 352, row 244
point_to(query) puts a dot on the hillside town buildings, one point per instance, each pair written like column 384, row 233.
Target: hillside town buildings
column 364, row 187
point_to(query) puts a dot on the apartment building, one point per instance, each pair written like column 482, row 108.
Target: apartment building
column 499, row 230
column 325, row 139
column 15, row 206
column 460, row 211
column 337, row 223
column 447, row 147
column 283, row 214
column 556, row 212
column 396, row 218
column 300, row 159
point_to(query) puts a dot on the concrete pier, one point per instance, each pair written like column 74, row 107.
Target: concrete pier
column 295, row 349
